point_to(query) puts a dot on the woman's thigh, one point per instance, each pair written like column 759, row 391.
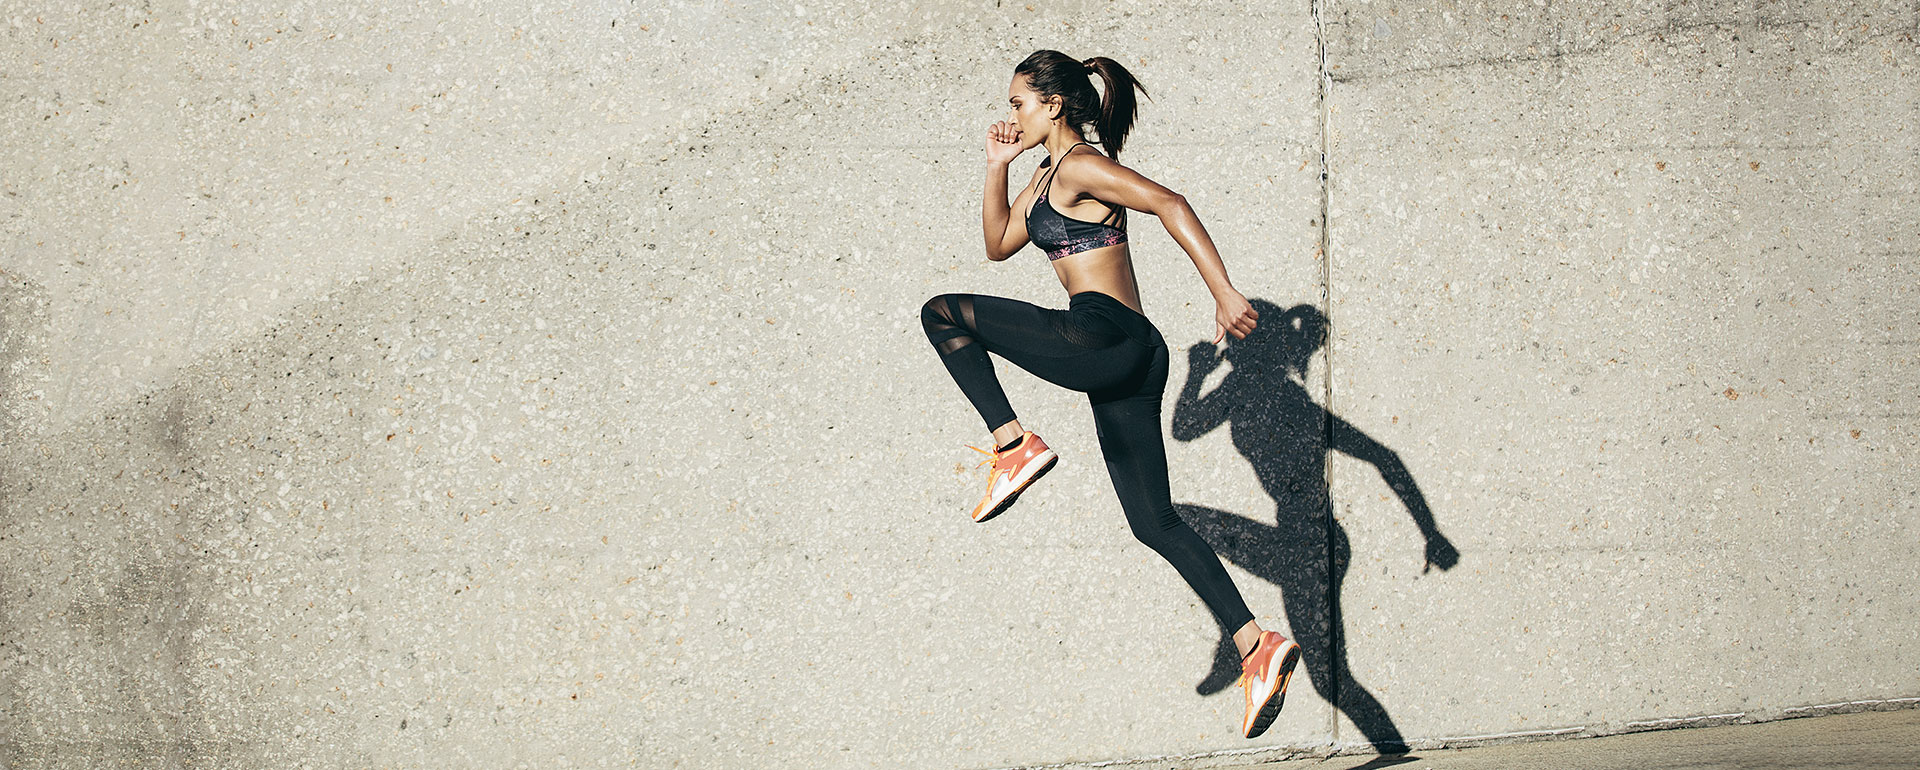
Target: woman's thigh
column 1127, row 416
column 1053, row 344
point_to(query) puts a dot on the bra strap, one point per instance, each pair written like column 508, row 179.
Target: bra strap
column 1056, row 167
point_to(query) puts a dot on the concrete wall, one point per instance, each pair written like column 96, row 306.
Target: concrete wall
column 483, row 385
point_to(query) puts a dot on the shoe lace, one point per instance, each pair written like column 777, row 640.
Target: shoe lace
column 991, row 455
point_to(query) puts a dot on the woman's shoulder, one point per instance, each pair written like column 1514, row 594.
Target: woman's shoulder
column 1087, row 158
column 1094, row 163
column 1076, row 151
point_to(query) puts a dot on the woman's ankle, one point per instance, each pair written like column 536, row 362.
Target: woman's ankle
column 1006, row 435
column 1249, row 635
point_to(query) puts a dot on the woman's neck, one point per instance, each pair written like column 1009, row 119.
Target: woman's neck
column 1063, row 141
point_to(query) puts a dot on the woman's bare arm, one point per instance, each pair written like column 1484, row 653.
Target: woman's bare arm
column 1004, row 233
column 1107, row 180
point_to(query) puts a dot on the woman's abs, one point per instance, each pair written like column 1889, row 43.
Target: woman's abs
column 1108, row 270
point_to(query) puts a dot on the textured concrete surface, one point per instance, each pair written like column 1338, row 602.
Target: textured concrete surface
column 487, row 385
column 1632, row 291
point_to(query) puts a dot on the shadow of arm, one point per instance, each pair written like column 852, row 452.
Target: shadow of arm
column 1195, row 414
column 1346, row 438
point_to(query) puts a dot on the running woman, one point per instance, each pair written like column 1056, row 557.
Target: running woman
column 1074, row 209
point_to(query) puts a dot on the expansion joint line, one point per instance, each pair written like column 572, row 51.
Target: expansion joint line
column 1335, row 639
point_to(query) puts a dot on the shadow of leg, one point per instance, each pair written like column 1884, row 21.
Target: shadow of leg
column 1352, row 699
column 1295, row 556
column 1247, row 544
column 1367, row 714
column 1226, row 667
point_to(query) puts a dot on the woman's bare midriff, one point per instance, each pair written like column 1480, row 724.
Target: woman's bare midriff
column 1108, row 270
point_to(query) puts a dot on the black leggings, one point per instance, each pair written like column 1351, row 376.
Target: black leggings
column 1102, row 348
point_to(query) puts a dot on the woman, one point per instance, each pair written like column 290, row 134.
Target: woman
column 1074, row 208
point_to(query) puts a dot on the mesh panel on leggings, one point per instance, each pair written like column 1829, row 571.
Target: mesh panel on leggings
column 951, row 326
column 1089, row 333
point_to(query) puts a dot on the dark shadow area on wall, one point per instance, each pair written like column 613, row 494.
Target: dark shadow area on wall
column 1276, row 425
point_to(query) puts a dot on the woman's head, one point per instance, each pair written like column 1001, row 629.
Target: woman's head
column 1052, row 86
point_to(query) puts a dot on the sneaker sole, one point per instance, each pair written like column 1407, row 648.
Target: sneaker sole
column 1279, row 697
column 1015, row 495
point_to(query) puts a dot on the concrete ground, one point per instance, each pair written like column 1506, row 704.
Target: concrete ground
column 1862, row 741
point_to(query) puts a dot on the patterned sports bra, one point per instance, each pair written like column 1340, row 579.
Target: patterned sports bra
column 1060, row 235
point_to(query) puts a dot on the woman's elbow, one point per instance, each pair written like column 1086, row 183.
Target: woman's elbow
column 998, row 252
column 1171, row 204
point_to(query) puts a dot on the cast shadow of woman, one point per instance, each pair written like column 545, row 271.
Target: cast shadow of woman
column 1286, row 436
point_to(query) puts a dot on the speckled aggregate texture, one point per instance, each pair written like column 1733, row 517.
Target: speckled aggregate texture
column 544, row 388
column 1631, row 289
column 484, row 385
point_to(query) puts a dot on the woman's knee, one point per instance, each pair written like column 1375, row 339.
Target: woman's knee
column 937, row 312
column 1156, row 529
column 1149, row 535
column 943, row 328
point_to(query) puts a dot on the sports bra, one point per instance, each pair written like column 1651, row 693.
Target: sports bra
column 1058, row 234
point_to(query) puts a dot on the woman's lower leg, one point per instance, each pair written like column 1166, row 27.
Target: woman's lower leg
column 951, row 327
column 1137, row 463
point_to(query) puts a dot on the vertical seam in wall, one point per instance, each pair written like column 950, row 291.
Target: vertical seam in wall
column 1335, row 644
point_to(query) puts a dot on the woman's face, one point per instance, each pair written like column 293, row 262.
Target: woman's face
column 1029, row 112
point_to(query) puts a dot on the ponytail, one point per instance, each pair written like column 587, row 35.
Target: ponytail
column 1117, row 106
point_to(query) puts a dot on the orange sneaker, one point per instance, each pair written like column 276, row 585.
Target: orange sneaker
column 1013, row 471
column 1264, row 676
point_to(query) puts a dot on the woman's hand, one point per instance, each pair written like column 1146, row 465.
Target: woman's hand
column 1232, row 313
column 1003, row 142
